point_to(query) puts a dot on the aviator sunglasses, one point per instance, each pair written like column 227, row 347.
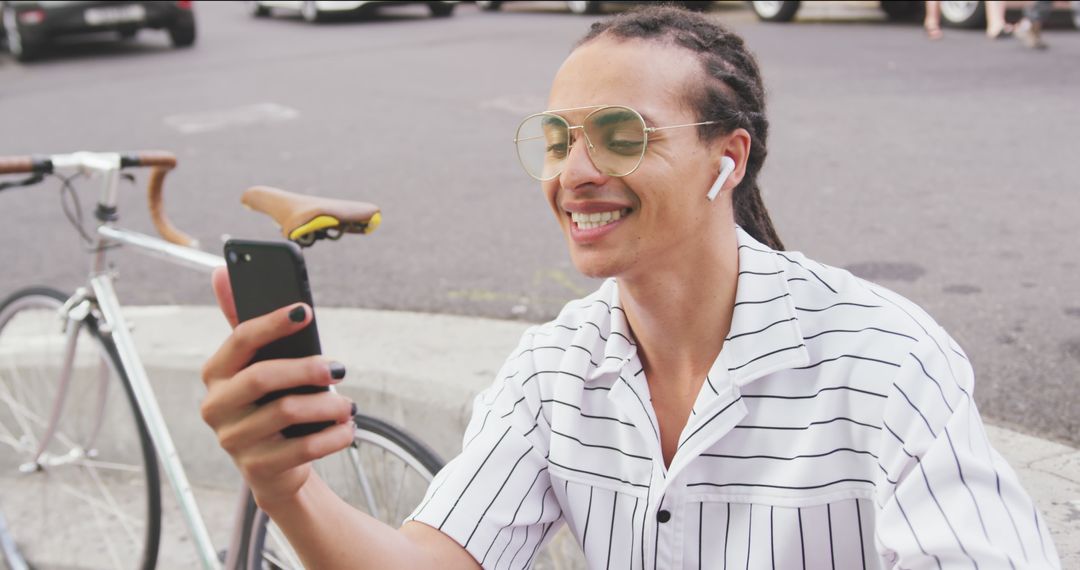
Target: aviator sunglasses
column 615, row 137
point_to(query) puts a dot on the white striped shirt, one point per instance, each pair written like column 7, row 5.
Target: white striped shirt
column 836, row 429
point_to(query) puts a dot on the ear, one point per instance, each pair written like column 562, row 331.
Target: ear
column 736, row 146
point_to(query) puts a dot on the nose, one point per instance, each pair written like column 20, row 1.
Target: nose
column 579, row 169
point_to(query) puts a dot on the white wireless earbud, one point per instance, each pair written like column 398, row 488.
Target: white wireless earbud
column 727, row 166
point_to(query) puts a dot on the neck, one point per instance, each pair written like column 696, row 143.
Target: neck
column 680, row 312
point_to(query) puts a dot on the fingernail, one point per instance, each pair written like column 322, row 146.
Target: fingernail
column 353, row 410
column 337, row 370
column 297, row 314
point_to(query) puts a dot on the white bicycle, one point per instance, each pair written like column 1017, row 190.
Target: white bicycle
column 81, row 431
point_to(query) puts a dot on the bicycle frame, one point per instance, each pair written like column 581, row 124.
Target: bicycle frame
column 101, row 296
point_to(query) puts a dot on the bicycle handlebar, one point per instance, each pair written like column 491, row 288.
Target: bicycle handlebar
column 25, row 164
column 159, row 162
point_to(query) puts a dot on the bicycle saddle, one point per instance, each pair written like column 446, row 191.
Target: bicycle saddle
column 305, row 218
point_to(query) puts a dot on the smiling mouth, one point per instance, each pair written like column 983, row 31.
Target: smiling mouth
column 585, row 221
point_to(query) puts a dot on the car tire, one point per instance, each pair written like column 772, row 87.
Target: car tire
column 903, row 10
column 963, row 14
column 582, row 7
column 258, row 10
column 489, row 5
column 182, row 35
column 441, row 9
column 779, row 11
column 21, row 48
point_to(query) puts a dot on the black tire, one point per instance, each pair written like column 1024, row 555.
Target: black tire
column 182, row 35
column 441, row 9
column 903, row 10
column 369, row 432
column 489, row 5
column 961, row 14
column 17, row 312
column 258, row 10
column 783, row 11
column 582, row 7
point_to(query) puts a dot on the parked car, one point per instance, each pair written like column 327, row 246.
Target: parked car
column 29, row 26
column 583, row 7
column 319, row 11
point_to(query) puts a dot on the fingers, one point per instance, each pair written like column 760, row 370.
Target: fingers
column 234, row 397
column 266, row 461
column 251, row 335
column 223, row 291
column 268, row 420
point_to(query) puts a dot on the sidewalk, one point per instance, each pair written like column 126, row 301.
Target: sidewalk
column 422, row 371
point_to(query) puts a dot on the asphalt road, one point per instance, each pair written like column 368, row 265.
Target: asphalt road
column 943, row 170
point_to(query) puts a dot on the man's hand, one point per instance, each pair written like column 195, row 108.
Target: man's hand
column 275, row 467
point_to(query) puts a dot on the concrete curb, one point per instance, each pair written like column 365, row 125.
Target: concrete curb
column 422, row 371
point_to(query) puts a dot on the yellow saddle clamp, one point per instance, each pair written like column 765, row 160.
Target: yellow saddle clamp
column 316, row 224
column 325, row 222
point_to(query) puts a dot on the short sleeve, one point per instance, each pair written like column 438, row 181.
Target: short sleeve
column 495, row 498
column 946, row 498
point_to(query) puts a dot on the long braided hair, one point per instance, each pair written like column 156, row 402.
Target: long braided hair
column 732, row 95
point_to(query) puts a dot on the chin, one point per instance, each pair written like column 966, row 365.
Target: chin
column 595, row 265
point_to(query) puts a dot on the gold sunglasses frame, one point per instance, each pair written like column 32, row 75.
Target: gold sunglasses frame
column 646, row 130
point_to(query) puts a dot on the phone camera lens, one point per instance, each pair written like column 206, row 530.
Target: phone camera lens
column 233, row 258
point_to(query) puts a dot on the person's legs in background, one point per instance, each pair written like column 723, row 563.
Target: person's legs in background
column 932, row 22
column 1030, row 28
column 996, row 26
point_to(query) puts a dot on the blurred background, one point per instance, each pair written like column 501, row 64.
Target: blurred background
column 943, row 169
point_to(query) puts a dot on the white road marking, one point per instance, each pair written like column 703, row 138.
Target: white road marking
column 258, row 113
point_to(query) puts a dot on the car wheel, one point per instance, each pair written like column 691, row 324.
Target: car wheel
column 441, row 9
column 963, row 14
column 19, row 47
column 903, row 10
column 258, row 10
column 182, row 34
column 489, row 5
column 584, row 7
column 779, row 11
column 310, row 12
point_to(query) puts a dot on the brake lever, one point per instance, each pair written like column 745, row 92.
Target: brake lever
column 24, row 182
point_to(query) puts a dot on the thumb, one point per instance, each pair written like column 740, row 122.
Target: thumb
column 223, row 292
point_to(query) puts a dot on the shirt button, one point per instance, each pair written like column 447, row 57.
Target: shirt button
column 663, row 516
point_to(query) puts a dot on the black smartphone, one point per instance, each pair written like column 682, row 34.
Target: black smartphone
column 266, row 276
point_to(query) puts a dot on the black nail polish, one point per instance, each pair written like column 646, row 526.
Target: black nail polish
column 353, row 410
column 337, row 370
column 297, row 315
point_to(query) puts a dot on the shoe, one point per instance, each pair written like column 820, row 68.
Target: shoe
column 1031, row 36
column 934, row 33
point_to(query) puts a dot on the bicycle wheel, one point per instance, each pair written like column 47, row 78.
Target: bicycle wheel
column 91, row 497
column 385, row 474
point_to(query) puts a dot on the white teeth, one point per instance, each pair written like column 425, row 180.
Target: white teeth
column 590, row 221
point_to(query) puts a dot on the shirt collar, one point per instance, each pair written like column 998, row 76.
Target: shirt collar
column 765, row 335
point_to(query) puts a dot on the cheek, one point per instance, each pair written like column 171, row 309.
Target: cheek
column 551, row 191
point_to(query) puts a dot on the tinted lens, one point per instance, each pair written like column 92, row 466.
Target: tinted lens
column 542, row 143
column 617, row 135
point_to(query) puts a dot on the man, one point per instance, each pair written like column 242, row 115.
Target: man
column 717, row 402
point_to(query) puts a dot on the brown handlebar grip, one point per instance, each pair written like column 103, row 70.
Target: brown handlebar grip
column 158, row 158
column 16, row 164
column 162, row 162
